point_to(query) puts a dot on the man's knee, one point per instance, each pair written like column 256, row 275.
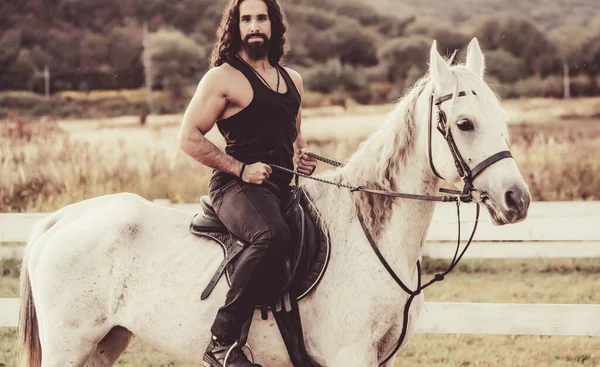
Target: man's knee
column 275, row 238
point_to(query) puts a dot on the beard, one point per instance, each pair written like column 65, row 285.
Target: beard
column 256, row 50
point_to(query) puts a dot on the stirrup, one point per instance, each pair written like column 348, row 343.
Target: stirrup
column 229, row 352
column 234, row 345
column 249, row 350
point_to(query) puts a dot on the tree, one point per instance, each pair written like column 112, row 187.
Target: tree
column 522, row 38
column 352, row 43
column 400, row 54
column 125, row 45
column 448, row 38
column 299, row 14
column 10, row 44
column 504, row 66
column 569, row 43
column 93, row 51
column 362, row 12
column 173, row 57
column 392, row 26
column 21, row 73
column 591, row 48
column 59, row 44
column 333, row 76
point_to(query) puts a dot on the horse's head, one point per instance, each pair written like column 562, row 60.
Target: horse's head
column 468, row 118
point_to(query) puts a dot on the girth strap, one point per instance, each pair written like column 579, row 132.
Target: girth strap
column 215, row 279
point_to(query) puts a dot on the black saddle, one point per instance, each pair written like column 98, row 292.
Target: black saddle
column 305, row 265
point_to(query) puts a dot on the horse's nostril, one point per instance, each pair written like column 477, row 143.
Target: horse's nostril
column 511, row 201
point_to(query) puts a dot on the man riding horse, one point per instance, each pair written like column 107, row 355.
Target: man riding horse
column 255, row 103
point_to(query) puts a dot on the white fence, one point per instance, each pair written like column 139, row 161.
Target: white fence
column 552, row 230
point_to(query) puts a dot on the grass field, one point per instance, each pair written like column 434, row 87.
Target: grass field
column 505, row 281
column 51, row 164
column 47, row 164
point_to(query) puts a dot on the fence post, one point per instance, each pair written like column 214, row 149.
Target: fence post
column 47, row 82
column 566, row 82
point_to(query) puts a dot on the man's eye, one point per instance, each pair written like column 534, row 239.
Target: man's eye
column 465, row 124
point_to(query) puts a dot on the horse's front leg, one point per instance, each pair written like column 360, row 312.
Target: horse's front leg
column 355, row 355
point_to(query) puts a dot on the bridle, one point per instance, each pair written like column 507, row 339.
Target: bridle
column 467, row 174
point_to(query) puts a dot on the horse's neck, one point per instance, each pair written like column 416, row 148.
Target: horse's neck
column 393, row 158
column 402, row 236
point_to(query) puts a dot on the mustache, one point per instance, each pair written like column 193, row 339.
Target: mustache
column 253, row 35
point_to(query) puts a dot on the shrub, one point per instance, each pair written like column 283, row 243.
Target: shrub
column 581, row 85
column 42, row 109
column 537, row 87
column 333, row 76
column 69, row 110
column 380, row 92
column 314, row 99
column 20, row 100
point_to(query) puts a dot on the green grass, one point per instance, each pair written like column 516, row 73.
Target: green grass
column 501, row 281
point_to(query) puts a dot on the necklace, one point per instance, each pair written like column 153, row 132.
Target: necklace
column 260, row 76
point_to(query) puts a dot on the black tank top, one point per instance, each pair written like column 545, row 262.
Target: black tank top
column 265, row 130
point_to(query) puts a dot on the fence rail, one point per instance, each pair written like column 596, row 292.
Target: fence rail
column 466, row 318
column 552, row 229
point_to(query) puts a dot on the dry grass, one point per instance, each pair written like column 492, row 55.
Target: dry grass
column 45, row 165
column 508, row 281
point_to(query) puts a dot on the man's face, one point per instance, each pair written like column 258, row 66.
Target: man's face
column 255, row 28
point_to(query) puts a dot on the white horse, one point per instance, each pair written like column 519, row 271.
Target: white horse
column 100, row 271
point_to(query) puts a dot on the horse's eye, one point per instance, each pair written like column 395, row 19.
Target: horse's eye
column 465, row 124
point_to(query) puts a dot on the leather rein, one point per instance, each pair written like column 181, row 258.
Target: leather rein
column 465, row 172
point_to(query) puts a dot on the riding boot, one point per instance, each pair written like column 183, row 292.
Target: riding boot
column 220, row 354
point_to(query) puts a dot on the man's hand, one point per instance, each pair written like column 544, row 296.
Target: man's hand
column 306, row 164
column 256, row 173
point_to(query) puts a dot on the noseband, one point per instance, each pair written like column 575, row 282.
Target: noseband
column 467, row 174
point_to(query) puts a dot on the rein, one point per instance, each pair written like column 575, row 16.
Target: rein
column 464, row 171
column 420, row 287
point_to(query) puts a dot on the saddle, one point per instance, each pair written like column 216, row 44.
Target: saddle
column 305, row 264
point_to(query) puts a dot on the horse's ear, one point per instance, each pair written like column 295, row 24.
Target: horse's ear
column 475, row 58
column 439, row 68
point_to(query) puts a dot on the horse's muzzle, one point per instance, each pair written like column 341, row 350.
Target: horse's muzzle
column 515, row 203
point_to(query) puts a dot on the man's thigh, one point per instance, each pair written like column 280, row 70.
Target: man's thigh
column 250, row 211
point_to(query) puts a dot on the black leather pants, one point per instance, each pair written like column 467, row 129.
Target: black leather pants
column 252, row 213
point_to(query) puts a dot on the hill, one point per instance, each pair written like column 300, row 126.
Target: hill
column 549, row 15
column 370, row 51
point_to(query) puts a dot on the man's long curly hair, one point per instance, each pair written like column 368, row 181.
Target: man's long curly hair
column 229, row 40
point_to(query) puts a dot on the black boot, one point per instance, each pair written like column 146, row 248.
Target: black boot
column 216, row 353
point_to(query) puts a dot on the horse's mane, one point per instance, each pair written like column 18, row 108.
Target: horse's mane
column 379, row 159
column 378, row 162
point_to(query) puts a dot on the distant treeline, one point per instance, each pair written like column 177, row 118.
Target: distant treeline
column 340, row 47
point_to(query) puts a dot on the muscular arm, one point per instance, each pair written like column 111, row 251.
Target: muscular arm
column 207, row 104
column 305, row 163
column 300, row 143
